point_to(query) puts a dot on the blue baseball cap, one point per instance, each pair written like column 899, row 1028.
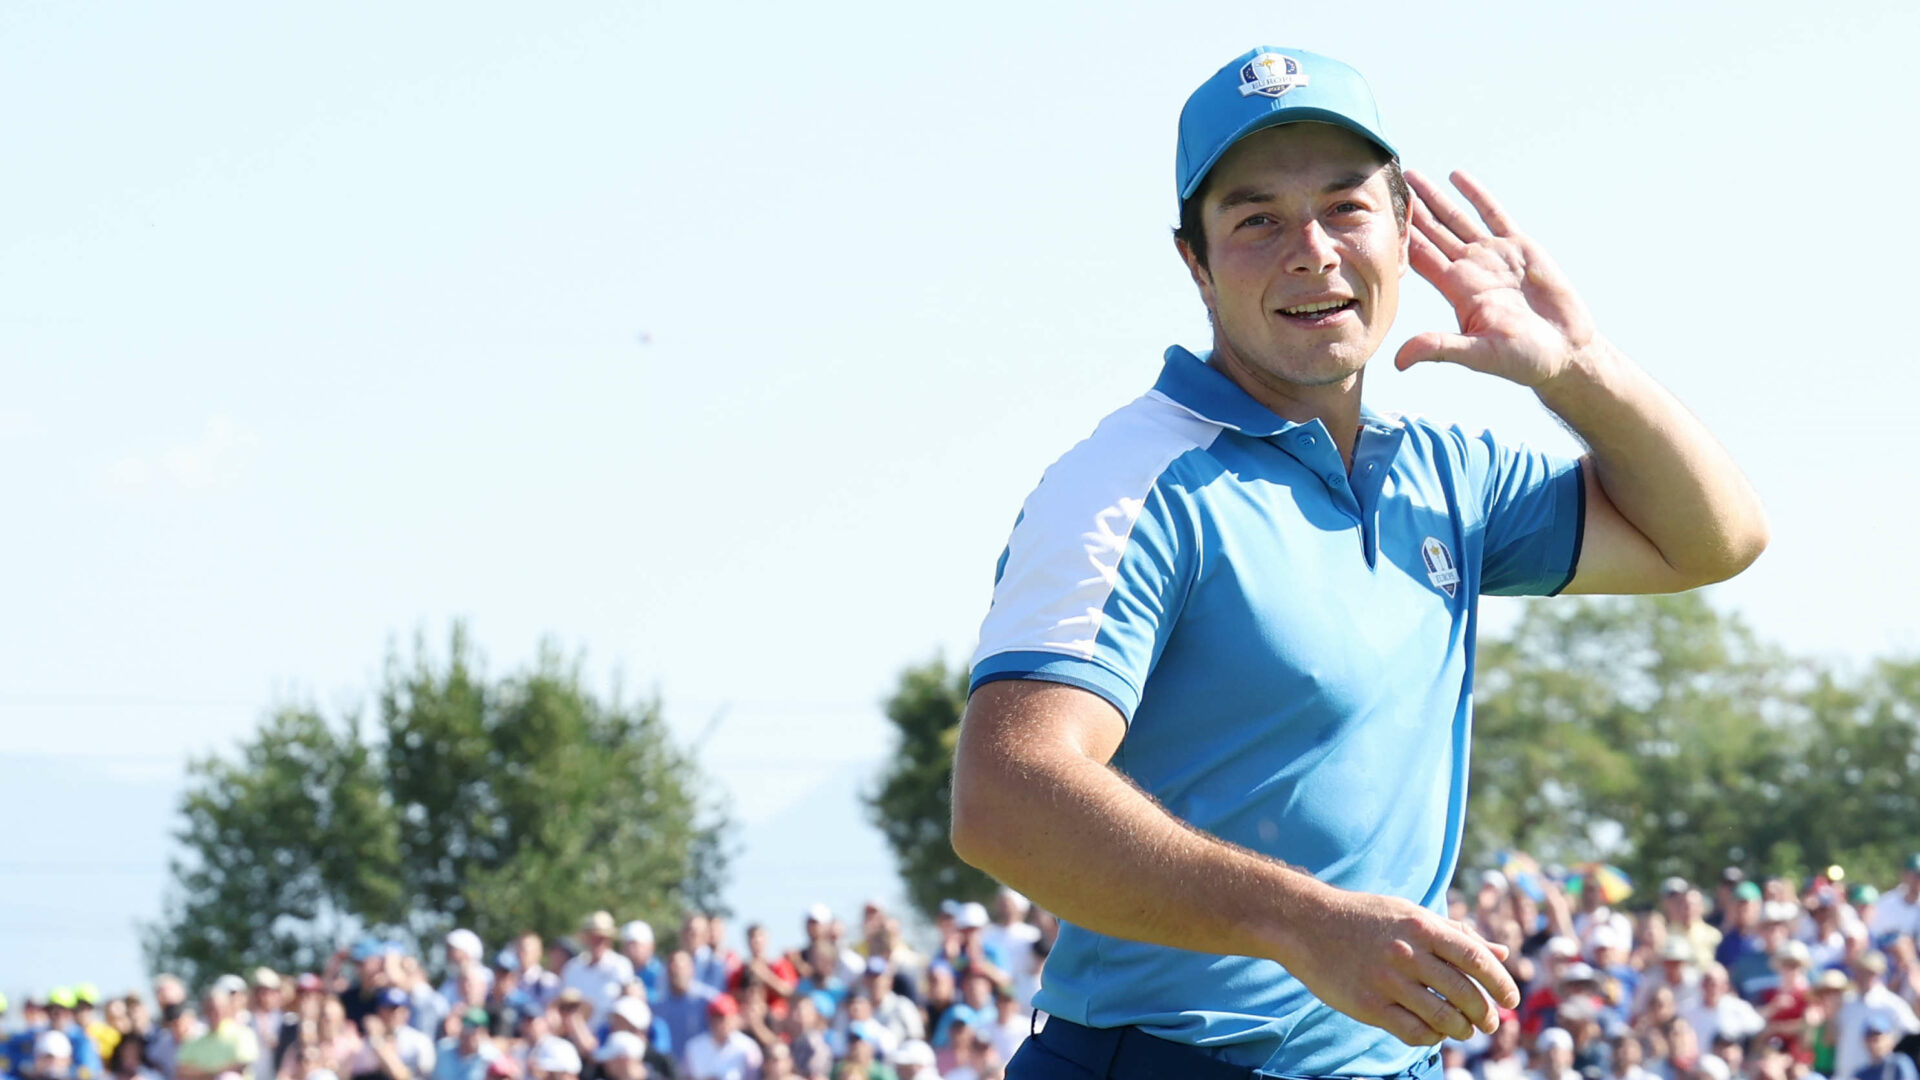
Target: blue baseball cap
column 1264, row 88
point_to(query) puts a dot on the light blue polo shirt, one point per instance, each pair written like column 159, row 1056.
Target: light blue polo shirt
column 1292, row 647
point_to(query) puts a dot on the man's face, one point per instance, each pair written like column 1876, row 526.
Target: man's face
column 527, row 951
column 1299, row 215
column 640, row 953
column 394, row 1016
column 693, row 932
column 680, row 971
column 757, row 941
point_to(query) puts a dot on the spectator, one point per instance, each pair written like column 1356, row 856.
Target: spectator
column 1502, row 1059
column 807, row 1035
column 864, row 1058
column 1897, row 913
column 1754, row 972
column 1740, row 932
column 1882, row 1062
column 973, row 952
column 554, row 1058
column 178, row 1027
column 896, row 1013
column 1677, row 974
column 268, row 1019
column 52, row 1057
column 779, row 1064
column 729, row 959
column 61, row 1012
column 974, row 1010
column 572, row 1019
column 392, row 1049
column 683, row 1008
column 227, row 1044
column 468, row 1055
column 103, row 1036
column 762, row 965
column 464, row 951
column 1784, row 1006
column 1872, row 998
column 1626, row 1055
column 721, row 1052
column 1010, row 936
column 914, row 1061
column 1555, row 1050
column 1611, row 949
column 636, row 944
column 1012, row 1023
column 632, row 1014
column 129, row 1059
column 537, row 982
column 1720, row 1013
column 707, row 968
column 622, row 1057
column 599, row 972
column 1686, row 911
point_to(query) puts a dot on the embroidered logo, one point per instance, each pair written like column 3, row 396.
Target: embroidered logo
column 1440, row 569
column 1270, row 74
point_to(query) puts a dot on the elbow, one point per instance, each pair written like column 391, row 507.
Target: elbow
column 970, row 831
column 1740, row 550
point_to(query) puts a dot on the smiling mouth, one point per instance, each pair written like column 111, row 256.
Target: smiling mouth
column 1318, row 313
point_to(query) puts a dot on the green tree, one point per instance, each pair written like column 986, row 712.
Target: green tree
column 1660, row 734
column 495, row 805
column 913, row 802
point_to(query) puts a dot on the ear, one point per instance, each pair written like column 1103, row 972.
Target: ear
column 1202, row 280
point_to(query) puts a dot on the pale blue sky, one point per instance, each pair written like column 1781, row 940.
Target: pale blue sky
column 723, row 342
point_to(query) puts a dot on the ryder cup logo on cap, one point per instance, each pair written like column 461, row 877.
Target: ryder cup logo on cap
column 1264, row 88
column 1271, row 74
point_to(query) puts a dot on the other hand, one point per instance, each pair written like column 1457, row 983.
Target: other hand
column 1401, row 968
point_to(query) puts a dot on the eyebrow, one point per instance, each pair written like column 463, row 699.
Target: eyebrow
column 1244, row 196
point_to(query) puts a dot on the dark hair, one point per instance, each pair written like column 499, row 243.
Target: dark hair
column 1193, row 233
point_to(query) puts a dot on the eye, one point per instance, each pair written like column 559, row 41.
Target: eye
column 1349, row 207
column 1255, row 221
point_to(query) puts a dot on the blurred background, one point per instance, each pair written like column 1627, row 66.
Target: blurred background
column 700, row 356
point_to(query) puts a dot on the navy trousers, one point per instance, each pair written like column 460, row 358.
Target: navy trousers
column 1063, row 1050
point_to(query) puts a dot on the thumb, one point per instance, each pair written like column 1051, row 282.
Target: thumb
column 1434, row 345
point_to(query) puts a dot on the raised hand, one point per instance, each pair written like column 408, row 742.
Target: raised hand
column 1519, row 318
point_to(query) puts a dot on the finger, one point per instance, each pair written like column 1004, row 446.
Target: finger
column 1490, row 209
column 1428, row 260
column 1465, row 995
column 1429, row 227
column 1436, row 1012
column 1401, row 1022
column 1468, row 955
column 1472, row 352
column 1446, row 210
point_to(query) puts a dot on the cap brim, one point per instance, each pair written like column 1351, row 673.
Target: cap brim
column 1298, row 115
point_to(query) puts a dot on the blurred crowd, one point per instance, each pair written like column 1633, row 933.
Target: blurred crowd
column 601, row 1004
column 1755, row 979
column 1765, row 980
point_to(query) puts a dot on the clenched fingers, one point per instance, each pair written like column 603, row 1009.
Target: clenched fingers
column 1475, row 957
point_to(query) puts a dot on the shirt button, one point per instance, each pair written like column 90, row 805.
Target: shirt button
column 1336, row 479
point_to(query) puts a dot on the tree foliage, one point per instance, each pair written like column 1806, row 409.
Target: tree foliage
column 912, row 803
column 494, row 805
column 1657, row 733
column 1661, row 735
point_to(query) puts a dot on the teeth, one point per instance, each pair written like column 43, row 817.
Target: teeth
column 1311, row 309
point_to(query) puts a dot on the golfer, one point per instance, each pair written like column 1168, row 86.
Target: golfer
column 1220, row 712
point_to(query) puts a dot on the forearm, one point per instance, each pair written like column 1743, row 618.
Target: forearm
column 1659, row 467
column 1087, row 844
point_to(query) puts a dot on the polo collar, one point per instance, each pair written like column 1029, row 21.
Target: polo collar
column 1206, row 392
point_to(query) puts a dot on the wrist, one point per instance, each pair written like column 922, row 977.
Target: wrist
column 1289, row 926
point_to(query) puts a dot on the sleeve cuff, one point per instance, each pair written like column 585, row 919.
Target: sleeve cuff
column 1088, row 675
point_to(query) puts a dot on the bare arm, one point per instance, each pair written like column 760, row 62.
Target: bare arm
column 1036, row 805
column 1667, row 509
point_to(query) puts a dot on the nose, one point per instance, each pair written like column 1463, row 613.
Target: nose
column 1312, row 251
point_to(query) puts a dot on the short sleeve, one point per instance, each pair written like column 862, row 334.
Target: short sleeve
column 1535, row 509
column 1086, row 596
column 1099, row 563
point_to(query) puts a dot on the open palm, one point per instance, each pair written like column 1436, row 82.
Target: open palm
column 1519, row 318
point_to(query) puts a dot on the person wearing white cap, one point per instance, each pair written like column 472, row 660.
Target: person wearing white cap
column 636, row 944
column 599, row 972
column 1721, row 1013
column 1677, row 973
column 1017, row 941
column 554, row 1058
column 915, row 1061
column 1553, row 1054
column 622, row 1057
column 463, row 955
column 52, row 1056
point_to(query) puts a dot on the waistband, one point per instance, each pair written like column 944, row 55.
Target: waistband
column 1127, row 1053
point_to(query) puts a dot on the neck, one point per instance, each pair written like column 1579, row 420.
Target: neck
column 1336, row 405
